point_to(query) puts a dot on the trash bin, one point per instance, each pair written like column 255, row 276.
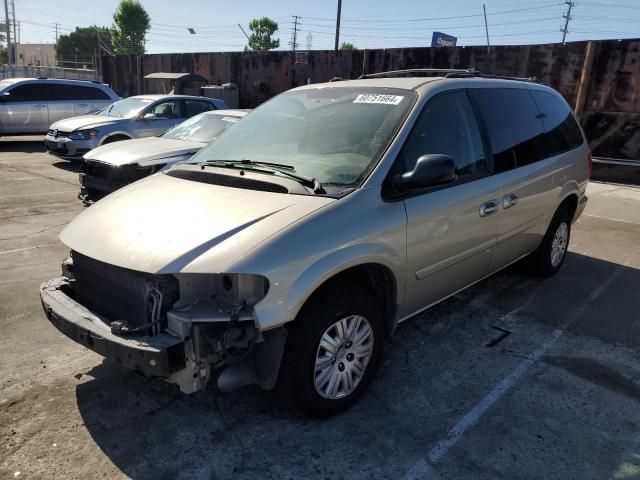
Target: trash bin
column 227, row 92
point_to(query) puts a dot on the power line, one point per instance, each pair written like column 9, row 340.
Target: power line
column 404, row 29
column 455, row 17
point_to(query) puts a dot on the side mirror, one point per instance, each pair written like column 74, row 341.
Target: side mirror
column 147, row 117
column 430, row 171
column 5, row 96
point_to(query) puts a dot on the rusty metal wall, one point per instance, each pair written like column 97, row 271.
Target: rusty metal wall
column 612, row 108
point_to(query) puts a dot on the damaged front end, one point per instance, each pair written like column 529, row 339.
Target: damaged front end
column 186, row 328
column 98, row 179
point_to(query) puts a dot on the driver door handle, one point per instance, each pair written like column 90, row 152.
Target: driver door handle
column 489, row 208
column 509, row 200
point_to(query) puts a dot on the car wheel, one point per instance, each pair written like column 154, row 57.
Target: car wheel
column 332, row 352
column 550, row 255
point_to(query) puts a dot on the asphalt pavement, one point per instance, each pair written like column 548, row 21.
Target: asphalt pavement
column 514, row 378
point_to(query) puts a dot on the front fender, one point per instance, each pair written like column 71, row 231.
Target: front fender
column 288, row 293
column 115, row 132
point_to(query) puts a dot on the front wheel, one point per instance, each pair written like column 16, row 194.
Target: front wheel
column 548, row 258
column 332, row 352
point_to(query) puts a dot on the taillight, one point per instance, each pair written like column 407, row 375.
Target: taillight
column 590, row 158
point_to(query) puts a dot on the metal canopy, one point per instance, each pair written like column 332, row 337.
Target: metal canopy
column 176, row 76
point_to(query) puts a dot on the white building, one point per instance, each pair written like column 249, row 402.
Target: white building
column 37, row 54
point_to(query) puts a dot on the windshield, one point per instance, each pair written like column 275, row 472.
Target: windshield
column 331, row 134
column 125, row 108
column 203, row 128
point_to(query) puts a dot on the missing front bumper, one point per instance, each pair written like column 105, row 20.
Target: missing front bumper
column 158, row 356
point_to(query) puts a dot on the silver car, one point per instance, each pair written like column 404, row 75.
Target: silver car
column 133, row 117
column 287, row 251
column 30, row 105
column 114, row 165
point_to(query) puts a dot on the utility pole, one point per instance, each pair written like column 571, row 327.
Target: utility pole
column 338, row 25
column 294, row 34
column 12, row 6
column 309, row 41
column 8, row 26
column 486, row 27
column 245, row 33
column 56, row 25
column 567, row 17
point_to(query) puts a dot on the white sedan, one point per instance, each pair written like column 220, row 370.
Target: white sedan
column 114, row 165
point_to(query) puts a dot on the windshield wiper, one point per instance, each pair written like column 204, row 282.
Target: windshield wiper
column 287, row 170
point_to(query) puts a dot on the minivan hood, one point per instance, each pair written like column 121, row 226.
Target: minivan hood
column 83, row 122
column 143, row 151
column 163, row 224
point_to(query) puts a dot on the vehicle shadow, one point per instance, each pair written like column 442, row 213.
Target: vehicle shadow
column 69, row 166
column 27, row 145
column 623, row 174
column 437, row 366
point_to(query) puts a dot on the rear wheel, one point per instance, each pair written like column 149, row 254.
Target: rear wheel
column 550, row 255
column 332, row 352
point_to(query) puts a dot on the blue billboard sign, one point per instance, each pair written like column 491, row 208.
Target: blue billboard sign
column 440, row 39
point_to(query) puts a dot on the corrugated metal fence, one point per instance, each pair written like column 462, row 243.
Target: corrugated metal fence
column 610, row 91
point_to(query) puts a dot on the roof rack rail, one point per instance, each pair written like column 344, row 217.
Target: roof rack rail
column 393, row 73
column 448, row 73
column 478, row 74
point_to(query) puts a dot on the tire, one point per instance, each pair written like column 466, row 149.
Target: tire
column 550, row 255
column 311, row 388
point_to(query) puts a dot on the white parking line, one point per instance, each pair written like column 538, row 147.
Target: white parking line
column 424, row 469
column 37, row 194
column 611, row 218
column 3, row 252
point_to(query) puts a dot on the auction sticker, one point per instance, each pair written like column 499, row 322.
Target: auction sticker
column 378, row 98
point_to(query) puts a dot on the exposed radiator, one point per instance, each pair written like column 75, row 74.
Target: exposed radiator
column 138, row 300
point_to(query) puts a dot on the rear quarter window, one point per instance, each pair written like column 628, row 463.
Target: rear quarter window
column 513, row 125
column 67, row 92
column 93, row 93
column 562, row 132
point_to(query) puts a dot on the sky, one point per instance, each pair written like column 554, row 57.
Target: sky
column 365, row 24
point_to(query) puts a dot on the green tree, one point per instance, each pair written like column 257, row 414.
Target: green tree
column 4, row 56
column 347, row 46
column 262, row 30
column 83, row 42
column 131, row 24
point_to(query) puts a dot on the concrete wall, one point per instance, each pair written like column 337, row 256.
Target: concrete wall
column 612, row 108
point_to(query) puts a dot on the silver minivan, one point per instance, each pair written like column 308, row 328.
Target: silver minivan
column 286, row 252
column 30, row 105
